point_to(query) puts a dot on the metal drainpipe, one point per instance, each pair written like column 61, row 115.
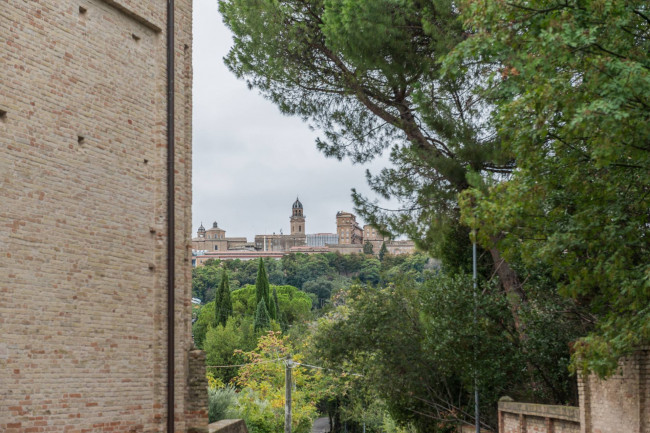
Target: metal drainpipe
column 171, row 197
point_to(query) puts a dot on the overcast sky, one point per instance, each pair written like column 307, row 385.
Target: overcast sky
column 250, row 161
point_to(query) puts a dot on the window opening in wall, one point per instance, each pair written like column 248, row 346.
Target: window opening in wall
column 80, row 139
column 82, row 10
column 3, row 115
column 216, row 247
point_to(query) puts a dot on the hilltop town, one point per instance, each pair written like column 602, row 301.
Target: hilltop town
column 350, row 238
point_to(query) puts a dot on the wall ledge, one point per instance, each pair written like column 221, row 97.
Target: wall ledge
column 228, row 426
column 567, row 413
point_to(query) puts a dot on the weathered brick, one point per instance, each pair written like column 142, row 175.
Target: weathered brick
column 83, row 178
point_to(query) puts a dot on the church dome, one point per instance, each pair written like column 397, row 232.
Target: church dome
column 297, row 204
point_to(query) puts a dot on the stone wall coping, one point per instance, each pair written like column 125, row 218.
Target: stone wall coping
column 228, row 426
column 567, row 413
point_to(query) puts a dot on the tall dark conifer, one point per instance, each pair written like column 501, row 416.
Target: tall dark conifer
column 382, row 251
column 223, row 304
column 274, row 311
column 262, row 319
column 262, row 286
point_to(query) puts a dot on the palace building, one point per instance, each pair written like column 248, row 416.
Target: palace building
column 349, row 238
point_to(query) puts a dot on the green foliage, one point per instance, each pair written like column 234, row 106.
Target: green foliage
column 382, row 251
column 205, row 280
column 294, row 304
column 206, row 320
column 261, row 401
column 571, row 83
column 223, row 304
column 367, row 248
column 222, row 403
column 275, row 306
column 366, row 73
column 417, row 345
column 370, row 272
column 262, row 287
column 262, row 318
column 322, row 288
column 222, row 342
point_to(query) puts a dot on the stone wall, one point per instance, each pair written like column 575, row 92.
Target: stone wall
column 83, row 343
column 517, row 417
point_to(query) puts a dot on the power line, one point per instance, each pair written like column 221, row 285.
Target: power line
column 242, row 365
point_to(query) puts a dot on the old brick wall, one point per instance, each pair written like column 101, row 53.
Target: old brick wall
column 196, row 412
column 517, row 417
column 621, row 403
column 83, row 216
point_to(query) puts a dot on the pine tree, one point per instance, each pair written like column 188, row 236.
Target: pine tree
column 262, row 286
column 262, row 320
column 223, row 304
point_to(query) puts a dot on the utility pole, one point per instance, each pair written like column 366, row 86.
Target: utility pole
column 287, row 395
column 475, row 277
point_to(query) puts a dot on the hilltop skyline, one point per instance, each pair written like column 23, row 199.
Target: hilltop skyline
column 250, row 161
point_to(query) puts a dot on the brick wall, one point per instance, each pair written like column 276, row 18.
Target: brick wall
column 83, row 215
column 622, row 402
column 517, row 417
column 196, row 413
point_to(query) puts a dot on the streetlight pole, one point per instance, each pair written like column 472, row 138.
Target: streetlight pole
column 475, row 278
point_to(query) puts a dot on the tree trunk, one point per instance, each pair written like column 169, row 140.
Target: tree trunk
column 512, row 287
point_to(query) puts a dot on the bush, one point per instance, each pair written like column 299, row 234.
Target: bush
column 222, row 403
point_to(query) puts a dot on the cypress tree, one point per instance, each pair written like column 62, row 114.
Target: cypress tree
column 382, row 251
column 223, row 304
column 275, row 307
column 262, row 286
column 262, row 320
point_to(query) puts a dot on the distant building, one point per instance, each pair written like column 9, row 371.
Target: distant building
column 297, row 219
column 199, row 260
column 371, row 235
column 348, row 239
column 214, row 239
column 348, row 229
column 282, row 242
column 322, row 239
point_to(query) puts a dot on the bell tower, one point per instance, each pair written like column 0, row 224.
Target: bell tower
column 297, row 219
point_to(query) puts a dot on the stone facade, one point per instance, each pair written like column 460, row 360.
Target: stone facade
column 83, row 153
column 348, row 230
column 282, row 243
column 297, row 220
column 213, row 243
column 215, row 239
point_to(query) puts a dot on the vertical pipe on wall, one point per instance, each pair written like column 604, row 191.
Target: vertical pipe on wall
column 171, row 197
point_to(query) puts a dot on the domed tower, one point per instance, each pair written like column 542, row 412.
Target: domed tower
column 201, row 232
column 297, row 219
